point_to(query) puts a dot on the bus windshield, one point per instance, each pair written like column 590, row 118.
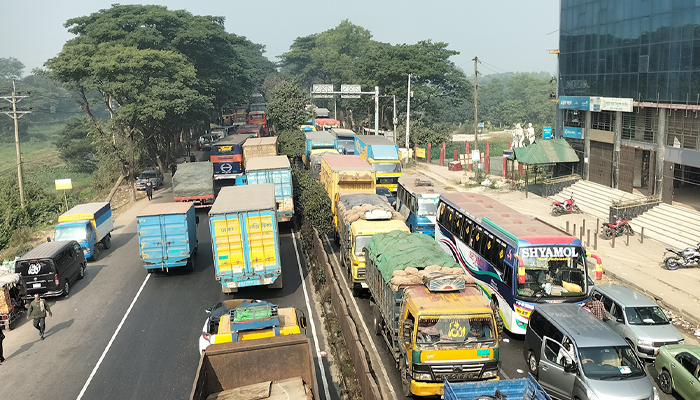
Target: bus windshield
column 463, row 331
column 552, row 271
column 386, row 167
column 427, row 207
column 223, row 149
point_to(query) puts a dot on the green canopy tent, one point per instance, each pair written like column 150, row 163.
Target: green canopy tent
column 557, row 152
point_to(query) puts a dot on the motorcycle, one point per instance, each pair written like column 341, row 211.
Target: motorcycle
column 568, row 206
column 619, row 228
column 683, row 258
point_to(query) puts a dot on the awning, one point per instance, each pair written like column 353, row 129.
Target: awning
column 546, row 152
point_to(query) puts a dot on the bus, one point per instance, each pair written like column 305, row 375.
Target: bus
column 516, row 261
column 227, row 157
column 417, row 200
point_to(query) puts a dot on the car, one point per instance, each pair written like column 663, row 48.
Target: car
column 252, row 319
column 678, row 367
column 154, row 175
column 638, row 319
column 205, row 141
column 382, row 191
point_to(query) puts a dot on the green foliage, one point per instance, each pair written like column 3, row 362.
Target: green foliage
column 286, row 106
column 292, row 143
column 311, row 201
column 76, row 148
column 11, row 68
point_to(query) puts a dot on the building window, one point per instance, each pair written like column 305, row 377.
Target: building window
column 603, row 120
column 573, row 118
column 682, row 130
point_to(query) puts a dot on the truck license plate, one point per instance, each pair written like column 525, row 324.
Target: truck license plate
column 36, row 285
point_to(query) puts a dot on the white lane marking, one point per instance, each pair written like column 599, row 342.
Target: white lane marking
column 364, row 326
column 311, row 320
column 114, row 336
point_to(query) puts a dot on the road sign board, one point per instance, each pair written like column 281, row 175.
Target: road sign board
column 350, row 91
column 63, row 184
column 322, row 91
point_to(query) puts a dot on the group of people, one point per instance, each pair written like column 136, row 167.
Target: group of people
column 37, row 311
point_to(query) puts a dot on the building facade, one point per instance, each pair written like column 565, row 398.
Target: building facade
column 637, row 65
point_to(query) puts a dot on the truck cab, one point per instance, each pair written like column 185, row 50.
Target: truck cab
column 383, row 155
column 82, row 232
column 359, row 233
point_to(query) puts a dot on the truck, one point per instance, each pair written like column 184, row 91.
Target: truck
column 259, row 147
column 433, row 318
column 89, row 224
column 279, row 367
column 345, row 140
column 258, row 117
column 227, row 157
column 276, row 170
column 417, row 199
column 194, row 183
column 316, row 141
column 245, row 237
column 315, row 163
column 345, row 175
column 359, row 217
column 383, row 155
column 510, row 389
column 167, row 235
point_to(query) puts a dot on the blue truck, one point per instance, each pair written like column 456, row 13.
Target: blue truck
column 245, row 237
column 316, row 141
column 89, row 224
column 167, row 236
column 383, row 155
column 511, row 389
column 345, row 140
column 274, row 169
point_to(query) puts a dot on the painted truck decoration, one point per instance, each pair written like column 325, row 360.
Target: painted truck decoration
column 89, row 224
column 245, row 237
column 167, row 235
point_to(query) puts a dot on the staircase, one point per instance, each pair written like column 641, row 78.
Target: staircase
column 676, row 226
column 594, row 199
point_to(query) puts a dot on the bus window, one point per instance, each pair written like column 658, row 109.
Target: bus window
column 450, row 219
column 459, row 225
column 441, row 214
column 412, row 200
column 500, row 255
column 487, row 248
column 477, row 239
column 467, row 230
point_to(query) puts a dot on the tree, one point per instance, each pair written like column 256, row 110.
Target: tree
column 286, row 106
column 11, row 68
column 76, row 147
column 292, row 143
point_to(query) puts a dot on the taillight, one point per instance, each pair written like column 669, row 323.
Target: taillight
column 55, row 279
column 206, row 336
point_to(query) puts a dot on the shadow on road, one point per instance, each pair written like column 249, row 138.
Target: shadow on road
column 50, row 331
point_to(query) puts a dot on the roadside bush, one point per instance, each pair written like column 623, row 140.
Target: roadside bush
column 292, row 143
column 311, row 201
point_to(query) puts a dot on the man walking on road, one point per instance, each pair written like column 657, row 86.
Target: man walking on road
column 149, row 189
column 37, row 309
column 597, row 308
column 2, row 336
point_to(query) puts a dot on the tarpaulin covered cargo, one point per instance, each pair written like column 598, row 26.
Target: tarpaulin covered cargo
column 194, row 179
column 398, row 250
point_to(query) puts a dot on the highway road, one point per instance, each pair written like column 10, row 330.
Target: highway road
column 512, row 364
column 125, row 334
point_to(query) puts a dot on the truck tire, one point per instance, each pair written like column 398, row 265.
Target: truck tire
column 107, row 241
column 405, row 379
column 377, row 320
column 278, row 283
column 95, row 254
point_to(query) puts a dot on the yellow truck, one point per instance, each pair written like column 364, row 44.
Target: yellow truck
column 360, row 216
column 383, row 155
column 434, row 319
column 346, row 175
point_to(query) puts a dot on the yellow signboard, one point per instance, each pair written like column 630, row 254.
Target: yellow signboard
column 420, row 153
column 63, row 184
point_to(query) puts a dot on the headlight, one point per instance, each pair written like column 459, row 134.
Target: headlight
column 647, row 343
column 422, row 376
column 490, row 374
column 591, row 395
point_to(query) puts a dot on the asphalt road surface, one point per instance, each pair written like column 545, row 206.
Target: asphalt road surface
column 125, row 334
column 512, row 364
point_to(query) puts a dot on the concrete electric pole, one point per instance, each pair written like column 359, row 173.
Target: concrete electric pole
column 16, row 115
column 476, row 109
column 408, row 114
column 376, row 110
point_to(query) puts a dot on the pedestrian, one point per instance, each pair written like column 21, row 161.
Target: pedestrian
column 173, row 168
column 566, row 354
column 149, row 189
column 2, row 336
column 37, row 310
column 597, row 308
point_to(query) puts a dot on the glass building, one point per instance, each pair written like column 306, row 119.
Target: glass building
column 647, row 53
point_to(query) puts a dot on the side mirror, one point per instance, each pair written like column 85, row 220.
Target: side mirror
column 407, row 331
column 570, row 368
column 302, row 322
column 207, row 310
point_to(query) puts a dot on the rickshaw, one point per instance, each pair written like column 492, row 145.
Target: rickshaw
column 12, row 293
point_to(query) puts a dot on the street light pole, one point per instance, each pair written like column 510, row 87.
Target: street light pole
column 408, row 115
column 394, row 120
column 376, row 110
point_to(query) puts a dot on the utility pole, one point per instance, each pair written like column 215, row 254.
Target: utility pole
column 395, row 120
column 476, row 115
column 408, row 115
column 376, row 110
column 16, row 115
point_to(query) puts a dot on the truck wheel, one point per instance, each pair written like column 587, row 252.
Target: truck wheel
column 377, row 320
column 95, row 254
column 405, row 379
column 66, row 288
column 107, row 241
column 278, row 283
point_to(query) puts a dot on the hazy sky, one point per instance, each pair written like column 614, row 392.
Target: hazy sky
column 506, row 35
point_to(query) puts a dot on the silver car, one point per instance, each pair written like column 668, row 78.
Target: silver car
column 154, row 175
column 638, row 319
